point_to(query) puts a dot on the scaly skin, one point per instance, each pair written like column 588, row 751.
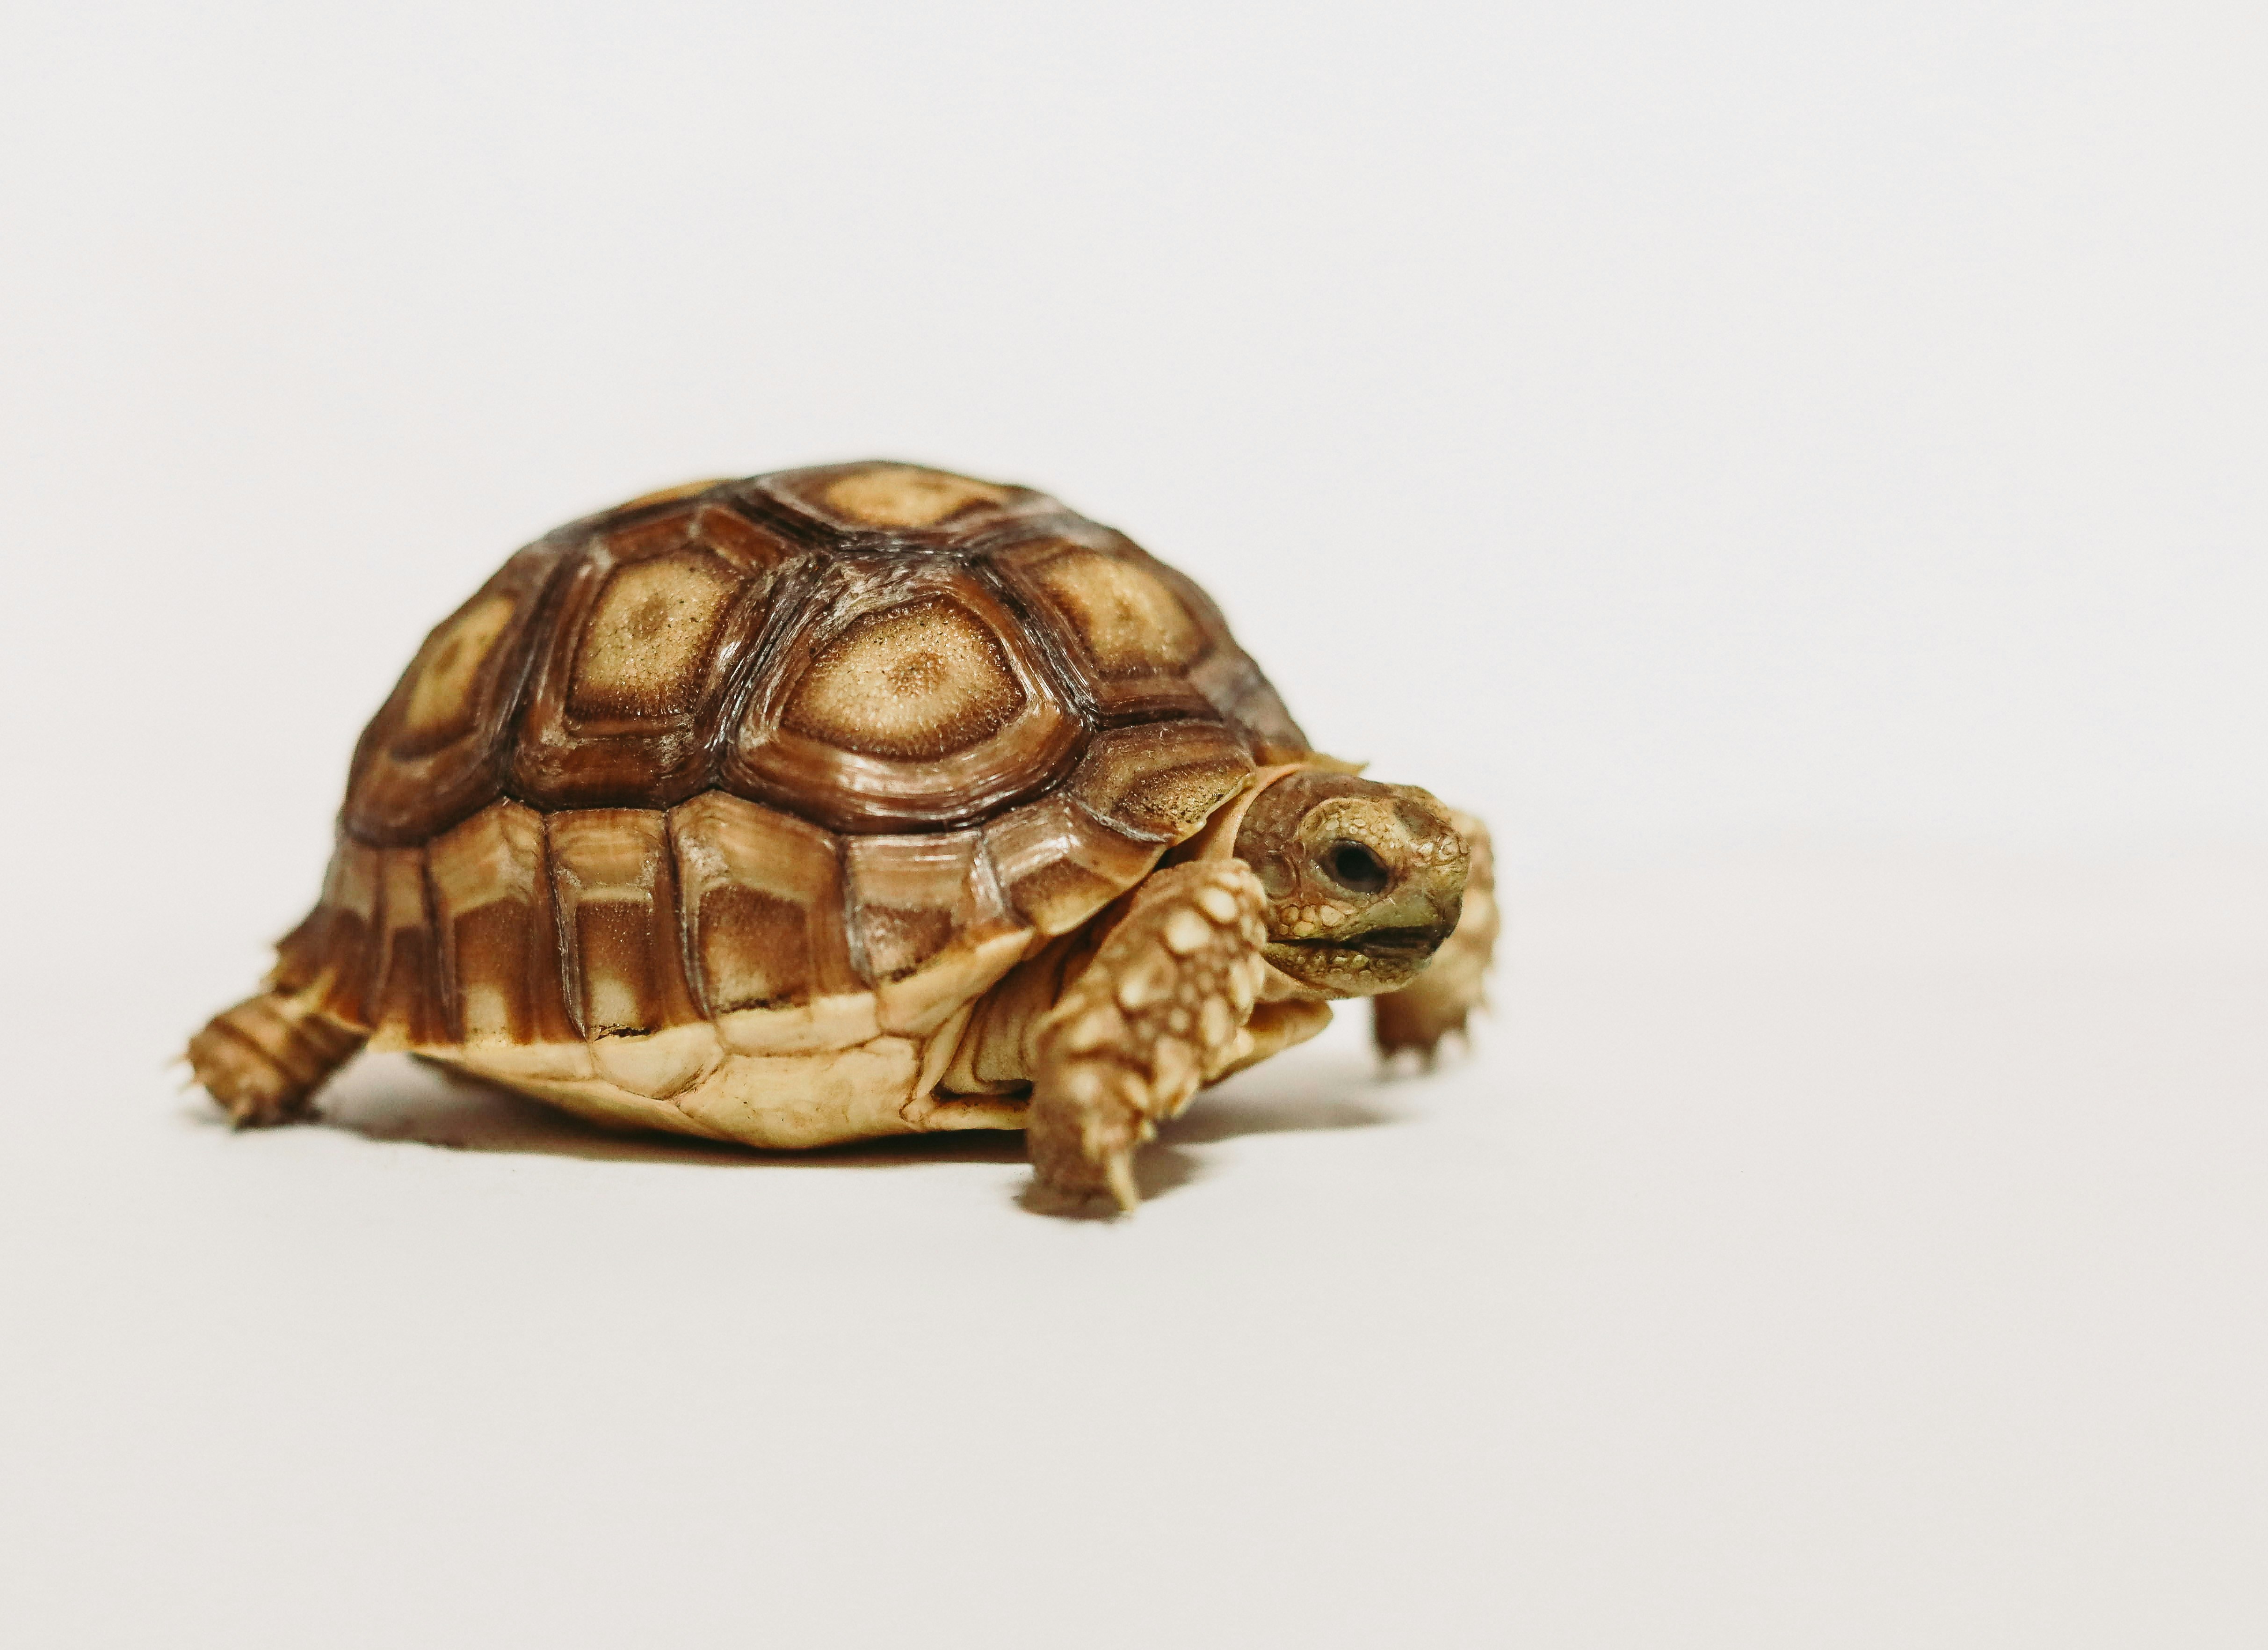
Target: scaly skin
column 263, row 1060
column 1160, row 1012
column 1439, row 1001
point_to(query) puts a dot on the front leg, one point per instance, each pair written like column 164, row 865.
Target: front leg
column 1159, row 1011
column 1437, row 1002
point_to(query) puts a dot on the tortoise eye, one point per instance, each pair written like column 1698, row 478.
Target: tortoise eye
column 1355, row 867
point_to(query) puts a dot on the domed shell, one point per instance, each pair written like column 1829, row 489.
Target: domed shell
column 809, row 758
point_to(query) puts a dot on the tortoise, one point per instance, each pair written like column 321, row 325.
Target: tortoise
column 854, row 801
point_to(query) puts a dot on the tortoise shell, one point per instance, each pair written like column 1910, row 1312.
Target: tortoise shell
column 804, row 762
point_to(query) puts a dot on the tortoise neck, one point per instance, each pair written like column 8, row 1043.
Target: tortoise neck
column 1217, row 838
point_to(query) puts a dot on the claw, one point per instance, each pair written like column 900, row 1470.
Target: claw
column 1118, row 1174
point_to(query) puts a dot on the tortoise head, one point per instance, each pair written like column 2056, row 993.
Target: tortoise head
column 1364, row 881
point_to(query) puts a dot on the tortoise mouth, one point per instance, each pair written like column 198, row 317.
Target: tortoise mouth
column 1385, row 945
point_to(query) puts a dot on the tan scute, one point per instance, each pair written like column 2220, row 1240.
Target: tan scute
column 912, row 681
column 1130, row 623
column 645, row 644
column 905, row 495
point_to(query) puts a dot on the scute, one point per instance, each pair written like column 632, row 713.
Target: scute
column 1124, row 628
column 441, row 704
column 1058, row 864
column 908, row 499
column 650, row 634
column 1160, row 781
column 929, row 923
column 914, row 681
column 651, row 619
column 762, row 898
column 906, row 696
column 428, row 757
column 902, row 496
column 1132, row 625
column 492, row 911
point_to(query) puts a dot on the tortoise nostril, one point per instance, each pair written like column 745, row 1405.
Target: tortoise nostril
column 1355, row 867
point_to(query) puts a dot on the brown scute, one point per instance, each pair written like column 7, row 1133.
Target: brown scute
column 404, row 994
column 644, row 645
column 910, row 895
column 441, row 707
column 763, row 894
column 612, row 881
column 910, row 682
column 906, row 696
column 1058, row 865
column 1162, row 780
column 905, row 495
column 620, row 706
column 614, row 942
column 739, row 540
column 332, row 955
column 1130, row 623
column 499, row 945
column 301, row 954
column 756, row 950
column 430, row 756
column 639, row 536
column 1234, row 686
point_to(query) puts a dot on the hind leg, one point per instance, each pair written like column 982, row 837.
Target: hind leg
column 263, row 1060
column 1438, row 1000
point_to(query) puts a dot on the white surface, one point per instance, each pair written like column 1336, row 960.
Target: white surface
column 1860, row 1254
column 1675, row 433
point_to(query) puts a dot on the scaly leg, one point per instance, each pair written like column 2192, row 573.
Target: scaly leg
column 1436, row 1003
column 264, row 1059
column 1159, row 1011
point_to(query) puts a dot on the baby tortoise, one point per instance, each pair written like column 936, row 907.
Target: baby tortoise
column 848, row 802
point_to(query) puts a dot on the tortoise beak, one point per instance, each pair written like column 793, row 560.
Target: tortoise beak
column 1409, row 928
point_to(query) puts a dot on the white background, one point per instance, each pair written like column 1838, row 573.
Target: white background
column 1796, row 469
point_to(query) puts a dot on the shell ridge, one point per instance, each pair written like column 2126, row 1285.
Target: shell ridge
column 1045, row 631
column 785, row 596
column 846, row 911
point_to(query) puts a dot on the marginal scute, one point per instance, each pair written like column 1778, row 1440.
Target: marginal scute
column 762, row 894
column 1058, row 865
column 645, row 644
column 914, row 681
column 403, row 997
column 331, row 955
column 499, row 949
column 613, row 882
column 1161, row 780
column 931, row 927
